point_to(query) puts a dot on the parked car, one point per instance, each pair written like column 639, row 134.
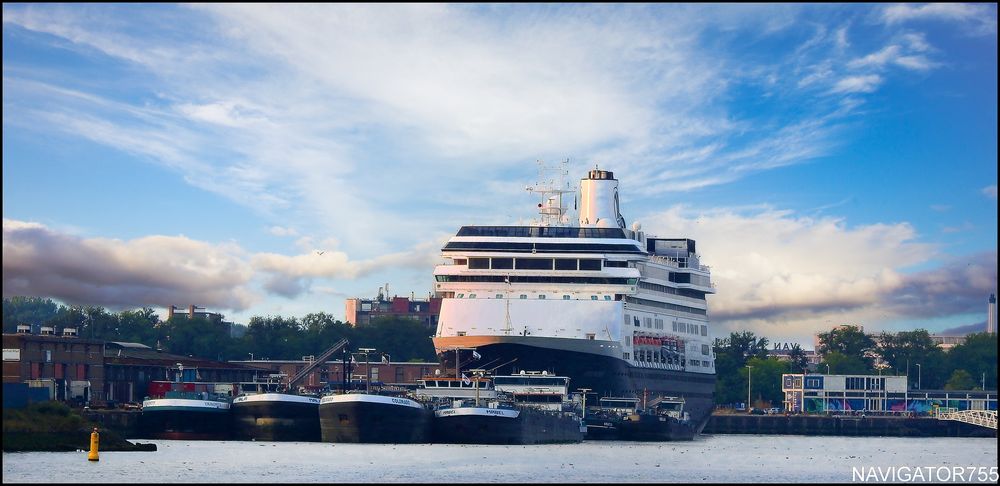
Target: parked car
column 773, row 411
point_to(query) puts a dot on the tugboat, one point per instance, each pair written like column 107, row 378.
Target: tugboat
column 516, row 413
column 618, row 418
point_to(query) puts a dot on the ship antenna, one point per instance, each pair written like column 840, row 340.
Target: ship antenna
column 507, row 330
column 551, row 209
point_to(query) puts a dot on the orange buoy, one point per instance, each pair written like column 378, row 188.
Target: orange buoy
column 95, row 438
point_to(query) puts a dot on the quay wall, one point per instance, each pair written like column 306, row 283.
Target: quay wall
column 843, row 425
column 124, row 422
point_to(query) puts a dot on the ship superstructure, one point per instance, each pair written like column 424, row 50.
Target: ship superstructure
column 619, row 312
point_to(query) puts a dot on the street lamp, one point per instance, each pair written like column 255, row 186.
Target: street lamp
column 749, row 380
column 919, row 368
column 368, row 368
column 585, row 390
column 827, row 368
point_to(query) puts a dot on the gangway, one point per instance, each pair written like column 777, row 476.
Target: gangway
column 315, row 363
column 982, row 418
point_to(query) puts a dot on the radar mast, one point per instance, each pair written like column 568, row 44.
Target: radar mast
column 551, row 186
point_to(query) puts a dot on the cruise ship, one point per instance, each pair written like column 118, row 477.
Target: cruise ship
column 619, row 312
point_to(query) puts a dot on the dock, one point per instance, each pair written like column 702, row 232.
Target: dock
column 844, row 425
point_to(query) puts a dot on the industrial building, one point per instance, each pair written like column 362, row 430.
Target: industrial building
column 100, row 373
column 71, row 367
column 360, row 312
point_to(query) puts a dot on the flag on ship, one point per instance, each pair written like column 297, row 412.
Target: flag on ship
column 465, row 379
column 476, row 355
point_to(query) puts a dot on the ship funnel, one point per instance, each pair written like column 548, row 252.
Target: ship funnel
column 599, row 200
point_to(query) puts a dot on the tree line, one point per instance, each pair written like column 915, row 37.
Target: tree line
column 847, row 350
column 265, row 337
column 844, row 350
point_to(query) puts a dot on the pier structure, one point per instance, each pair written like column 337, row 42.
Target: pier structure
column 982, row 418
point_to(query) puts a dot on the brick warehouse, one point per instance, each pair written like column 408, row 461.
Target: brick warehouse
column 65, row 359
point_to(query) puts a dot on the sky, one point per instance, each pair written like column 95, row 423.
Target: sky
column 836, row 163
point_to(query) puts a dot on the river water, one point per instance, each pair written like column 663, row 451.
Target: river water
column 716, row 459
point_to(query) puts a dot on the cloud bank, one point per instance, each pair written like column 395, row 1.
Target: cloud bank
column 153, row 271
column 779, row 273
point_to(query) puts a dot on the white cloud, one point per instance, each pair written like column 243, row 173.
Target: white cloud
column 841, row 38
column 163, row 270
column 282, row 231
column 442, row 94
column 893, row 54
column 858, row 84
column 291, row 275
column 877, row 59
column 965, row 226
column 982, row 17
column 788, row 275
column 990, row 191
column 153, row 271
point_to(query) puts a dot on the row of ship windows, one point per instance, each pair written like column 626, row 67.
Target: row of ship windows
column 651, row 323
column 654, row 357
column 664, row 305
column 503, row 263
column 536, row 279
column 541, row 232
column 694, row 294
column 525, row 296
column 541, row 247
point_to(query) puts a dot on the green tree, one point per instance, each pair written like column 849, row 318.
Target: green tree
column 904, row 347
column 401, row 338
column 849, row 341
column 33, row 311
column 139, row 326
column 275, row 337
column 960, row 380
column 742, row 346
column 731, row 356
column 842, row 364
column 797, row 360
column 322, row 330
column 977, row 355
column 765, row 386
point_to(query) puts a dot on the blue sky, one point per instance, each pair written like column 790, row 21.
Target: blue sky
column 835, row 163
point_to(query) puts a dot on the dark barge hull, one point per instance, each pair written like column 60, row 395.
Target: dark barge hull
column 374, row 423
column 655, row 428
column 273, row 417
column 604, row 375
column 212, row 424
column 529, row 427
